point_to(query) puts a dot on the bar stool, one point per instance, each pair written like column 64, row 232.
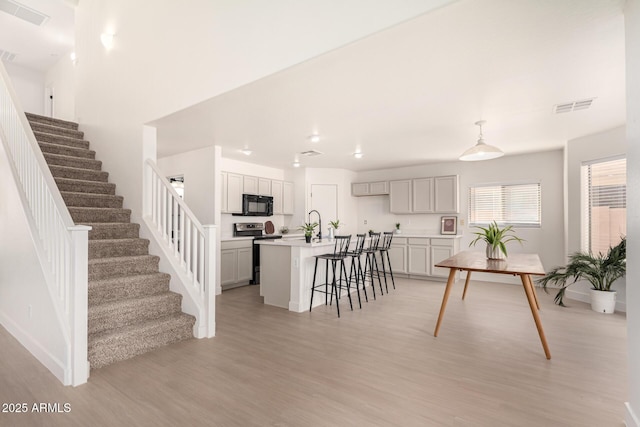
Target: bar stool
column 384, row 253
column 371, row 263
column 355, row 271
column 336, row 258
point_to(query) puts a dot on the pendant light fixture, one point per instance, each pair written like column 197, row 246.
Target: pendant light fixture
column 481, row 151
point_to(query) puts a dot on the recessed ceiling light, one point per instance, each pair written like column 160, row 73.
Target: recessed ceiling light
column 295, row 164
column 246, row 151
column 314, row 138
column 358, row 154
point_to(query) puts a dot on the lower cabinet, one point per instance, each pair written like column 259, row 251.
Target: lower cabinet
column 417, row 256
column 236, row 263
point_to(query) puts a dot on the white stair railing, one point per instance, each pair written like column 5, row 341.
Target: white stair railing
column 189, row 246
column 61, row 245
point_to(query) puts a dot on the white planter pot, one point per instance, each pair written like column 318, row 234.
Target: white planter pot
column 495, row 253
column 603, row 301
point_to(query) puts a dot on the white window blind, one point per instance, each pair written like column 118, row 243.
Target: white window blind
column 512, row 204
column 606, row 207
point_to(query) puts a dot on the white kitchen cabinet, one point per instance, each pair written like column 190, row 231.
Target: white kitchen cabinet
column 287, row 198
column 441, row 249
column 369, row 188
column 276, row 193
column 400, row 196
column 446, row 194
column 233, row 195
column 398, row 255
column 236, row 263
column 250, row 184
column 264, row 187
column 422, row 195
column 415, row 257
column 419, row 256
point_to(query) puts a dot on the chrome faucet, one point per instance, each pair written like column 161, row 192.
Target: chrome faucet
column 319, row 222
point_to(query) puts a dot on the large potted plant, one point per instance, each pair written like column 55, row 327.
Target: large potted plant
column 308, row 228
column 600, row 270
column 496, row 239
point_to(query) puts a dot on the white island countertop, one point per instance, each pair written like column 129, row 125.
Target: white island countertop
column 299, row 242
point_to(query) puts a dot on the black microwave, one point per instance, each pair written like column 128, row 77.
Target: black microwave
column 254, row 205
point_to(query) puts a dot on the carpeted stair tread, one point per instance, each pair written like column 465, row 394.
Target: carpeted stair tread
column 130, row 306
column 56, row 130
column 117, row 288
column 61, row 140
column 112, row 230
column 73, row 162
column 84, row 215
column 37, row 118
column 80, row 174
column 111, row 248
column 103, row 268
column 121, row 313
column 65, row 150
column 90, row 200
column 129, row 341
column 82, row 186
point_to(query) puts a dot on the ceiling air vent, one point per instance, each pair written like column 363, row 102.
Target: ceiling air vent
column 568, row 107
column 311, row 153
column 7, row 56
column 23, row 12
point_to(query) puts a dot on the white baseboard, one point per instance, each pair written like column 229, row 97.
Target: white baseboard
column 585, row 297
column 630, row 419
column 50, row 361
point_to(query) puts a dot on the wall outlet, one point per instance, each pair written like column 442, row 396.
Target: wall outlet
column 296, row 262
column 365, row 222
column 461, row 221
column 30, row 308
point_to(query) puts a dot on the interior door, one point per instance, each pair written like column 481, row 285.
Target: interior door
column 324, row 199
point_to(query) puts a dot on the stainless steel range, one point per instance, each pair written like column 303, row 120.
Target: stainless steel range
column 255, row 230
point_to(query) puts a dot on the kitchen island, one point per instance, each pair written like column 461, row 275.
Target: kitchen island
column 286, row 271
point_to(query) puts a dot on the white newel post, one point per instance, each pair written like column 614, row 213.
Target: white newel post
column 210, row 280
column 78, row 311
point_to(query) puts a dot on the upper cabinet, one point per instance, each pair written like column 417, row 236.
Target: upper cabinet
column 369, row 188
column 424, row 195
column 400, row 196
column 235, row 185
column 446, row 194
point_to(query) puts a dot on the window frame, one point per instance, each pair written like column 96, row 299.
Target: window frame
column 503, row 222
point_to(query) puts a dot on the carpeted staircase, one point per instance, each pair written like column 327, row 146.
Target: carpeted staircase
column 131, row 310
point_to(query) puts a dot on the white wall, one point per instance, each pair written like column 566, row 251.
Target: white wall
column 544, row 167
column 61, row 77
column 162, row 64
column 580, row 150
column 199, row 180
column 29, row 87
column 26, row 309
column 632, row 30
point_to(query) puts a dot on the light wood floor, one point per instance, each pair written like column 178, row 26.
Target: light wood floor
column 379, row 366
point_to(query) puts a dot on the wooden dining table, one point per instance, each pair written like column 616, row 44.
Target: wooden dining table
column 523, row 265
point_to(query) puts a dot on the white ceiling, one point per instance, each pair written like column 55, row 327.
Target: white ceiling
column 39, row 47
column 411, row 94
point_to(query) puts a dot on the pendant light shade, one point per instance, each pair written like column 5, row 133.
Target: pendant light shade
column 481, row 151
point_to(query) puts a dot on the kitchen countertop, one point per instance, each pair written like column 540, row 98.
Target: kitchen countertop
column 429, row 235
column 297, row 242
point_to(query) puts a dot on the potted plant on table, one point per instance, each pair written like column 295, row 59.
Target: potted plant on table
column 333, row 226
column 308, row 228
column 496, row 239
column 600, row 270
column 398, row 228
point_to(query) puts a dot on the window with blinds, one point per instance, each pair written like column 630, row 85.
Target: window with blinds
column 506, row 204
column 605, row 210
